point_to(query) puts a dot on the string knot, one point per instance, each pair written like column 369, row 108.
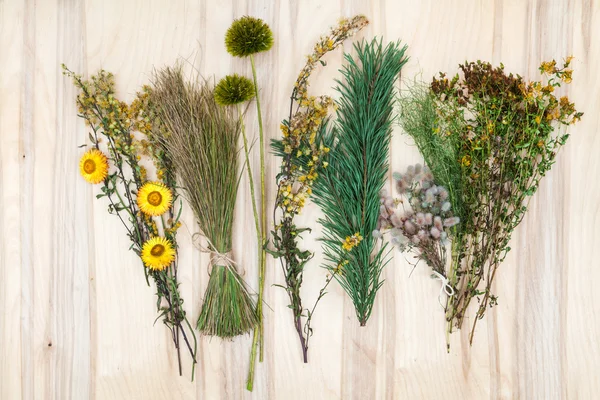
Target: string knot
column 446, row 286
column 216, row 257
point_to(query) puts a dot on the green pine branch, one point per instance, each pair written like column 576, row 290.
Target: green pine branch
column 348, row 189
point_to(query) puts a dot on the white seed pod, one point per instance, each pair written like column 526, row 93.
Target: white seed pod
column 437, row 222
column 409, row 227
column 428, row 219
column 383, row 211
column 450, row 222
column 389, row 202
column 395, row 221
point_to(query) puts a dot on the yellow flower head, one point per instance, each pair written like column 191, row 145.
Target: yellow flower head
column 154, row 198
column 158, row 253
column 466, row 161
column 93, row 166
column 352, row 241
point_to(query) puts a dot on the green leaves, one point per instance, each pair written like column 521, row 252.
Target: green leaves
column 348, row 190
column 489, row 137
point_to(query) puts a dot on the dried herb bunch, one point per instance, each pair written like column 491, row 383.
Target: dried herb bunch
column 201, row 138
column 488, row 137
column 348, row 189
column 302, row 156
column 146, row 208
column 425, row 220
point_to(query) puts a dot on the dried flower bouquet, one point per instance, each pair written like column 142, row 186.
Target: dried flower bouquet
column 145, row 207
column 303, row 156
column 488, row 138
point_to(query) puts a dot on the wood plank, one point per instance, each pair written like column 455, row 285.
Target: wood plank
column 77, row 316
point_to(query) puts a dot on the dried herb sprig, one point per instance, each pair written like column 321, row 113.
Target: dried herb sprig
column 133, row 199
column 201, row 138
column 348, row 190
column 488, row 137
column 302, row 156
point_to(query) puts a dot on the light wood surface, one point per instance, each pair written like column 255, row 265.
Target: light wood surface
column 75, row 313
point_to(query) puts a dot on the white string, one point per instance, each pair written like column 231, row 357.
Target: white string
column 446, row 287
column 216, row 258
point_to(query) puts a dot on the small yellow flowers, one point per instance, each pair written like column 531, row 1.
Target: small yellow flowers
column 548, row 67
column 465, row 161
column 352, row 241
column 154, row 198
column 538, row 120
column 339, row 268
column 158, row 253
column 93, row 166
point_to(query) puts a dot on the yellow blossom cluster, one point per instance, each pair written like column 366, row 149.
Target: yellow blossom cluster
column 339, row 268
column 352, row 241
column 138, row 112
column 300, row 132
column 118, row 121
column 560, row 110
column 345, row 29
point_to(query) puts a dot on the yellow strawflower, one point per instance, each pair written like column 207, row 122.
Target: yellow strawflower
column 158, row 253
column 93, row 166
column 154, row 198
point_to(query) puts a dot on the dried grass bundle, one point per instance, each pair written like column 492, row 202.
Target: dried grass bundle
column 202, row 139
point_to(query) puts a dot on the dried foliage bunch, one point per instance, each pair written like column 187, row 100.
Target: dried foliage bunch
column 348, row 189
column 302, row 156
column 488, row 138
column 246, row 37
column 423, row 225
column 201, row 138
column 145, row 207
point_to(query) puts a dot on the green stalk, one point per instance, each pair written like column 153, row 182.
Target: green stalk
column 262, row 270
column 250, row 179
column 250, row 380
column 257, row 337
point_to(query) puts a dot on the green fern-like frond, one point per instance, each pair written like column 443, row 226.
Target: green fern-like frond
column 418, row 117
column 348, row 190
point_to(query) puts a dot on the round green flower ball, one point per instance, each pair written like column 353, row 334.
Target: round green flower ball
column 233, row 89
column 248, row 35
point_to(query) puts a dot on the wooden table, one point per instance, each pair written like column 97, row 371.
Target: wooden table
column 76, row 318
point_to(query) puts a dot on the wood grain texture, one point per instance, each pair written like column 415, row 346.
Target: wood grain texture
column 76, row 318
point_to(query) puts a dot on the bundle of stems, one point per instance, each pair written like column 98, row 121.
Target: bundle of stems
column 116, row 122
column 303, row 155
column 488, row 137
column 348, row 190
column 246, row 37
column 201, row 138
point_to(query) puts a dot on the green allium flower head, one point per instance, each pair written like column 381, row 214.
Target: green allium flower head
column 247, row 36
column 234, row 89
